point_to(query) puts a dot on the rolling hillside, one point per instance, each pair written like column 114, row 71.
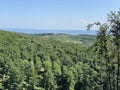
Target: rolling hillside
column 80, row 39
column 45, row 62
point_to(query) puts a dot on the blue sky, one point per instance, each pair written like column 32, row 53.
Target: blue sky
column 54, row 14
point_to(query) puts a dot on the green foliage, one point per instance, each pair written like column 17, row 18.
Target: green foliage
column 107, row 43
column 79, row 39
column 61, row 62
column 30, row 62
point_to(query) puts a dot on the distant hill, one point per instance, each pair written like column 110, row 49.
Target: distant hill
column 81, row 39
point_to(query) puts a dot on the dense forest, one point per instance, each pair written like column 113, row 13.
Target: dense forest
column 51, row 62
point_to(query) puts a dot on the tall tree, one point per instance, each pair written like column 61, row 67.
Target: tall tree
column 114, row 20
column 102, row 50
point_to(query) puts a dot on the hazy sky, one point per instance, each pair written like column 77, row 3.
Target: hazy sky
column 54, row 14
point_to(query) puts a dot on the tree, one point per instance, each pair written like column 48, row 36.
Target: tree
column 114, row 20
column 102, row 50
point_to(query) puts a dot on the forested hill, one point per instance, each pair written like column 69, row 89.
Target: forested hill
column 81, row 39
column 30, row 62
column 62, row 62
column 59, row 62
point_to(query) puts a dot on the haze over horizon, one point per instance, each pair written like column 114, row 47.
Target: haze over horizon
column 54, row 14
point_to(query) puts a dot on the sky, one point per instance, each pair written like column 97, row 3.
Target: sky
column 54, row 14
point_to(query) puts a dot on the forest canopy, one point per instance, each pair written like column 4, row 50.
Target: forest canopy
column 35, row 62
